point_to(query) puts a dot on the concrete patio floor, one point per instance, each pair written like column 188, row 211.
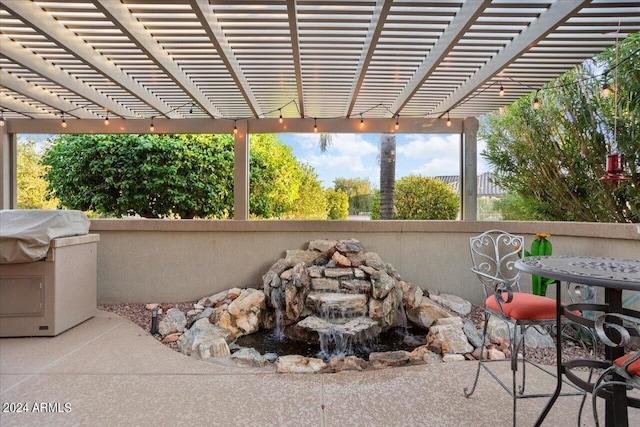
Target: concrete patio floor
column 109, row 372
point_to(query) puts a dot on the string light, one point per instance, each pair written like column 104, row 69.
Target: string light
column 64, row 122
column 152, row 128
column 448, row 120
column 315, row 125
column 235, row 128
column 191, row 109
column 501, row 91
column 606, row 90
column 106, row 119
column 397, row 121
column 361, row 122
column 536, row 101
column 2, row 121
column 280, row 120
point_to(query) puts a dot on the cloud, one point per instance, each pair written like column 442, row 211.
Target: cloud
column 348, row 156
column 344, row 143
column 350, row 144
column 430, row 146
column 438, row 167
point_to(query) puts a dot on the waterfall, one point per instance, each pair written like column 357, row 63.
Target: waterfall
column 278, row 331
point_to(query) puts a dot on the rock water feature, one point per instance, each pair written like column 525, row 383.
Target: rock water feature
column 332, row 305
column 333, row 293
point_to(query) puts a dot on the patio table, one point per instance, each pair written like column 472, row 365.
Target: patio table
column 615, row 275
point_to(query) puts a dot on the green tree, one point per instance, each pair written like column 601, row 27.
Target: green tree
column 419, row 197
column 552, row 158
column 513, row 208
column 275, row 177
column 159, row 176
column 32, row 186
column 337, row 204
column 151, row 175
column 375, row 205
column 312, row 202
column 358, row 191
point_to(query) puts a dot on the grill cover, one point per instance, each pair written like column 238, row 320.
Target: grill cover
column 25, row 235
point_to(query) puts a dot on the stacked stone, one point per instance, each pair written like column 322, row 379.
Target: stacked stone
column 337, row 277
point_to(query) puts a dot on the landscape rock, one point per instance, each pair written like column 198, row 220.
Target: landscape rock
column 246, row 310
column 171, row 338
column 173, row 321
column 202, row 331
column 340, row 260
column 349, row 245
column 381, row 284
column 249, row 357
column 389, row 358
column 151, row 306
column 453, row 302
column 322, row 245
column 205, row 313
column 358, row 328
column 296, row 256
column 453, row 358
column 498, row 329
column 346, row 273
column 426, row 314
column 216, row 347
column 344, row 304
column 411, row 296
column 214, row 299
column 474, row 335
column 356, row 286
column 423, row 354
column 325, row 285
column 299, row 364
column 271, row 357
column 450, row 332
column 349, row 363
column 495, row 354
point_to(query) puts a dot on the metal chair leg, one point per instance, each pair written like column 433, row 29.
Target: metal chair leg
column 467, row 392
column 523, row 332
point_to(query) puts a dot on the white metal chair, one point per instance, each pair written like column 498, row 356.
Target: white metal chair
column 493, row 254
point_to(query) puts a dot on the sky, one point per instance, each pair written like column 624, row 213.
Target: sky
column 356, row 155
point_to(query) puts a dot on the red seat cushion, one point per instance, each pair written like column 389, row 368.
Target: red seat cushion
column 525, row 306
column 633, row 368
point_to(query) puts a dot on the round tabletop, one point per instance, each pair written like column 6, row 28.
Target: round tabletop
column 596, row 271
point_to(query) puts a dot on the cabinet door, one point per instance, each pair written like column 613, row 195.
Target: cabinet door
column 22, row 296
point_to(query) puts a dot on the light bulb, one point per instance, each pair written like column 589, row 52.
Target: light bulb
column 501, row 91
column 315, row 125
column 280, row 119
column 64, row 123
column 106, row 119
column 152, row 128
column 448, row 120
column 235, row 128
column 606, row 90
column 361, row 122
column 397, row 124
column 536, row 103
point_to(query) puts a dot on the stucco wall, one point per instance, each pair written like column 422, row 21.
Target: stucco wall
column 181, row 260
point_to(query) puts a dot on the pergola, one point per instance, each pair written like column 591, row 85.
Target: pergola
column 204, row 66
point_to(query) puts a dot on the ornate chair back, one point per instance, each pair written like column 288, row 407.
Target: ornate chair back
column 493, row 254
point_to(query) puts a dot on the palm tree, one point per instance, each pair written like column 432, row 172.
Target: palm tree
column 387, row 170
column 325, row 141
column 387, row 174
